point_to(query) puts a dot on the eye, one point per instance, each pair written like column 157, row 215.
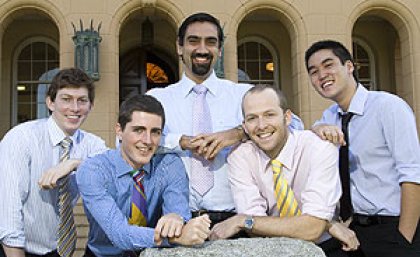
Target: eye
column 83, row 100
column 269, row 114
column 329, row 64
column 212, row 42
column 250, row 119
column 157, row 132
column 193, row 40
column 138, row 130
column 313, row 72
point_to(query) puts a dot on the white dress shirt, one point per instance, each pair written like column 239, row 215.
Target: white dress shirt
column 28, row 214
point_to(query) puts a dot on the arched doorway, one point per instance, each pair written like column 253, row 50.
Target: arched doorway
column 142, row 69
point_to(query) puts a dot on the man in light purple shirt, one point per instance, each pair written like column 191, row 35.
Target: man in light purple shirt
column 309, row 166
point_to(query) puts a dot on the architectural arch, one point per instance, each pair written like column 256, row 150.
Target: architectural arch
column 272, row 52
column 367, row 66
column 407, row 47
column 155, row 51
column 295, row 88
column 122, row 14
column 17, row 26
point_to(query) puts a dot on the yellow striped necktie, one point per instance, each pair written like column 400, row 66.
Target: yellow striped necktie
column 66, row 232
column 285, row 198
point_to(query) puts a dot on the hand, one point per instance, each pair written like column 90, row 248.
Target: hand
column 209, row 145
column 194, row 232
column 330, row 132
column 51, row 176
column 12, row 251
column 227, row 228
column 346, row 236
column 407, row 233
column 169, row 225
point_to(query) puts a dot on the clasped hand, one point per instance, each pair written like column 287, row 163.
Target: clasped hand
column 172, row 226
column 209, row 145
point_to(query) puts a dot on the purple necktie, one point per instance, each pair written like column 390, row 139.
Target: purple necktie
column 201, row 177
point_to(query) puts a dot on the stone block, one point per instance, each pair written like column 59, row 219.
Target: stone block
column 242, row 247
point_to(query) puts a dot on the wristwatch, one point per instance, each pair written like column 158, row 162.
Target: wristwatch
column 249, row 223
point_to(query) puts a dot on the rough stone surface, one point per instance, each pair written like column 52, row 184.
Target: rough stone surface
column 243, row 247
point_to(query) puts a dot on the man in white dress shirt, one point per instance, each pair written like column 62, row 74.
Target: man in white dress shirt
column 31, row 172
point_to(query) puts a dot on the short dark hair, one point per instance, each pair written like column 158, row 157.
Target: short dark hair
column 71, row 78
column 337, row 48
column 139, row 103
column 200, row 17
column 261, row 87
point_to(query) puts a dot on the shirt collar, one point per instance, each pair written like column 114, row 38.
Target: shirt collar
column 57, row 135
column 286, row 154
column 122, row 166
column 187, row 84
column 357, row 103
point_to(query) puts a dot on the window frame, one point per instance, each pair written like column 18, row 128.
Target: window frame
column 16, row 54
column 271, row 50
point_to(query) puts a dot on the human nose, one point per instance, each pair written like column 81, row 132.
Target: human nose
column 74, row 105
column 261, row 123
column 323, row 73
column 146, row 137
column 202, row 47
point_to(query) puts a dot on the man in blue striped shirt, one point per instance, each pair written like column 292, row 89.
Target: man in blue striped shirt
column 29, row 157
column 106, row 187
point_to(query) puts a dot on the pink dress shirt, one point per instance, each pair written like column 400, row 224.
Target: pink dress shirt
column 310, row 167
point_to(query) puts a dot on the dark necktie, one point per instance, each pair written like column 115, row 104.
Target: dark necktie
column 346, row 207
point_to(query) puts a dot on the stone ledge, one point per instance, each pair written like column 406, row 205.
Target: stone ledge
column 243, row 247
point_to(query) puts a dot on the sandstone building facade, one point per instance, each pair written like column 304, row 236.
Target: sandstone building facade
column 265, row 43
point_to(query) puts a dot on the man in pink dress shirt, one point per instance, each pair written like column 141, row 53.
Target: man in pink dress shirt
column 309, row 166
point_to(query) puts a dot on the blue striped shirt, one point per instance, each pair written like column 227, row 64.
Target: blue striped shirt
column 28, row 214
column 106, row 187
column 383, row 150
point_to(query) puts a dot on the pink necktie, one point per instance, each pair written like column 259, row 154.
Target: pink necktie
column 202, row 178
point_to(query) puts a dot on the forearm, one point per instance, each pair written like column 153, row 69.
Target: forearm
column 71, row 164
column 13, row 251
column 410, row 209
column 303, row 227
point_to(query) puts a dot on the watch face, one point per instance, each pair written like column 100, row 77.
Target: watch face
column 249, row 223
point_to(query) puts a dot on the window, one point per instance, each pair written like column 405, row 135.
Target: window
column 363, row 58
column 256, row 62
column 37, row 62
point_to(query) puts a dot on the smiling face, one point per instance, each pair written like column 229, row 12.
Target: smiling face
column 200, row 50
column 70, row 108
column 140, row 138
column 265, row 122
column 330, row 78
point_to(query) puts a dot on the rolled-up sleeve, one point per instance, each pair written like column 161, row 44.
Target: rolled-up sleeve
column 246, row 194
column 323, row 189
column 14, row 187
column 401, row 137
